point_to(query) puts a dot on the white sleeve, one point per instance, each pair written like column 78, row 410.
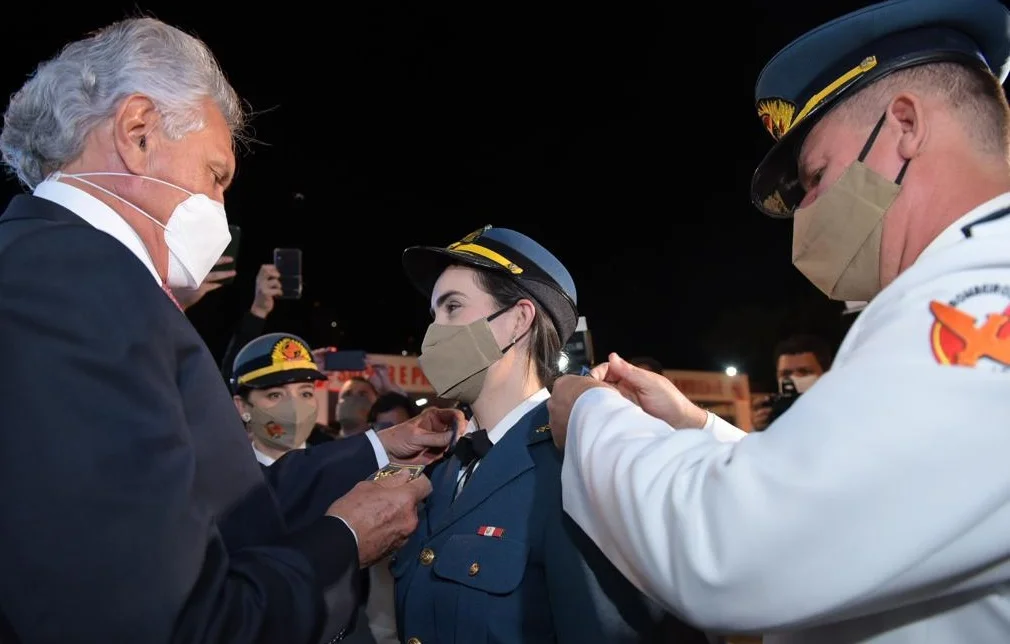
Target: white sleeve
column 381, row 458
column 724, row 432
column 885, row 484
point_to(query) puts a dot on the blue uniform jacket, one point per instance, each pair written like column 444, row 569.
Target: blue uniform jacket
column 540, row 580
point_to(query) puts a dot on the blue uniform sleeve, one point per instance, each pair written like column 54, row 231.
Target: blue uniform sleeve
column 591, row 601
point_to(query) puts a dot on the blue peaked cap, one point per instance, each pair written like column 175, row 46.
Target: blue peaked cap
column 509, row 252
column 821, row 68
column 539, row 255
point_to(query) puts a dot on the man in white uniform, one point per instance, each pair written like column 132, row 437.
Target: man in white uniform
column 878, row 507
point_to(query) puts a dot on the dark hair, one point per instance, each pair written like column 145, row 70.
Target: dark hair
column 805, row 343
column 388, row 402
column 647, row 362
column 545, row 344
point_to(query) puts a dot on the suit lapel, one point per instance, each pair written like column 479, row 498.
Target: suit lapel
column 509, row 458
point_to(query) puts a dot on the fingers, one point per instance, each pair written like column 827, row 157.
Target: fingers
column 217, row 276
column 621, row 370
column 429, row 440
column 616, row 369
column 553, row 408
column 268, row 281
column 419, row 487
column 269, row 270
column 599, row 372
column 271, row 287
column 225, row 259
column 437, row 419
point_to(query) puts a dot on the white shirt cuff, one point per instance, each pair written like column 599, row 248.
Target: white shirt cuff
column 349, row 528
column 723, row 431
column 380, row 452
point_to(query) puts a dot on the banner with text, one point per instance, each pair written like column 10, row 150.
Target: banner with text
column 403, row 372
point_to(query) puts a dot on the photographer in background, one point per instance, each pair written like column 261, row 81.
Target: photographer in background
column 799, row 361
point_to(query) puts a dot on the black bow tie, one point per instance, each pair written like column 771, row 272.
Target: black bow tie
column 473, row 446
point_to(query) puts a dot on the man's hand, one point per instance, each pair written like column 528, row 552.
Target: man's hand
column 380, row 378
column 188, row 297
column 424, row 438
column 319, row 357
column 653, row 392
column 760, row 412
column 268, row 286
column 382, row 513
column 564, row 393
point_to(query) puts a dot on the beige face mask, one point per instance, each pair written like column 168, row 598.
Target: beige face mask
column 836, row 240
column 284, row 426
column 455, row 359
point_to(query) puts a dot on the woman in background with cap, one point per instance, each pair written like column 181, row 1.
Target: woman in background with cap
column 274, row 381
column 494, row 558
column 274, row 384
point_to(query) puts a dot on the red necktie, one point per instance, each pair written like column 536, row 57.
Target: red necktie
column 171, row 296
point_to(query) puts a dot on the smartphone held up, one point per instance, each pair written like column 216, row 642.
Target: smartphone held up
column 288, row 262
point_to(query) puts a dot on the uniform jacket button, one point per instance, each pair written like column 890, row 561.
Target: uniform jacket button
column 413, row 640
column 474, row 568
column 426, row 557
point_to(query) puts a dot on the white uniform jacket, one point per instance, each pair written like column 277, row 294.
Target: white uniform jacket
column 877, row 509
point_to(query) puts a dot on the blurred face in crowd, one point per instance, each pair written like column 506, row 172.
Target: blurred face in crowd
column 392, row 417
column 798, row 367
column 353, row 402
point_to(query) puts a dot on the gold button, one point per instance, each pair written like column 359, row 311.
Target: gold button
column 427, row 556
column 413, row 640
column 474, row 568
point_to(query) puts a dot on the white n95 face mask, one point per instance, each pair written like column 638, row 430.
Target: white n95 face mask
column 196, row 234
column 804, row 383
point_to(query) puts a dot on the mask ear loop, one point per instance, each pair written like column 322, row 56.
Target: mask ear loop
column 869, row 145
column 514, row 338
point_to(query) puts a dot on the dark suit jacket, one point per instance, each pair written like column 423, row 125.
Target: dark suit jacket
column 306, row 481
column 540, row 580
column 133, row 510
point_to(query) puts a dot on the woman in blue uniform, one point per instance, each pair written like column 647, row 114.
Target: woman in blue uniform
column 494, row 559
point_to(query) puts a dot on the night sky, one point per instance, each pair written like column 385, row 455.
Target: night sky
column 621, row 137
